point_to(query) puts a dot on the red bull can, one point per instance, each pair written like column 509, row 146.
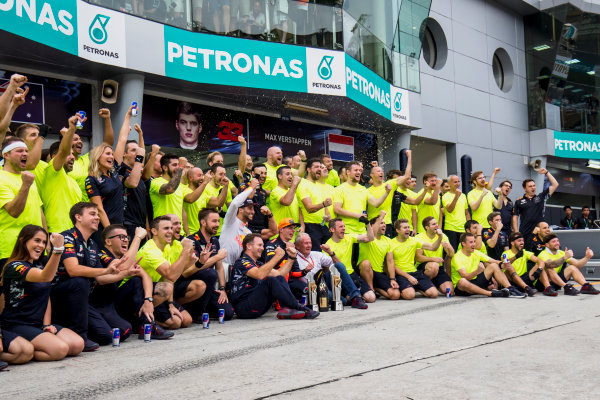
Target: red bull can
column 303, row 300
column 448, row 292
column 221, row 315
column 147, row 333
column 134, row 110
column 79, row 124
column 116, row 334
column 205, row 321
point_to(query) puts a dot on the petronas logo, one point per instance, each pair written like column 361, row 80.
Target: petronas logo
column 398, row 102
column 97, row 30
column 325, row 67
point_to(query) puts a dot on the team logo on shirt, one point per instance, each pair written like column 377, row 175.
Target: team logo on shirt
column 21, row 269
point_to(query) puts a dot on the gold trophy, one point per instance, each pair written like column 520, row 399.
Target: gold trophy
column 336, row 288
column 312, row 293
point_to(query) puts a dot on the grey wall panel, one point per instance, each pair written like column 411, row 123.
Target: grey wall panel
column 438, row 124
column 437, row 92
column 507, row 138
column 474, row 131
column 470, row 13
column 508, row 112
column 469, row 42
column 472, row 102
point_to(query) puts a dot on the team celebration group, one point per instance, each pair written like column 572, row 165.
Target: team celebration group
column 117, row 238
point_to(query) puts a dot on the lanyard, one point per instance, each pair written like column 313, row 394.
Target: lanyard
column 310, row 262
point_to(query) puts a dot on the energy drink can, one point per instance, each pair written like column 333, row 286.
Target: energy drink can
column 205, row 321
column 134, row 110
column 116, row 334
column 303, row 300
column 147, row 333
column 221, row 315
column 79, row 124
column 448, row 292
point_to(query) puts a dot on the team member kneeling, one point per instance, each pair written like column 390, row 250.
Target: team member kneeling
column 27, row 292
column 472, row 272
column 526, row 267
column 433, row 262
column 255, row 286
column 402, row 256
column 561, row 267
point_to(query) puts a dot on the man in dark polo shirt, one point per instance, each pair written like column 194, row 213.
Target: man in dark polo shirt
column 80, row 263
column 506, row 209
column 537, row 243
column 496, row 241
column 530, row 207
column 211, row 271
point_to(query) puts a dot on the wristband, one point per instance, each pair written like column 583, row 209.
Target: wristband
column 292, row 258
column 170, row 303
column 139, row 158
column 221, row 287
column 58, row 250
column 332, row 255
column 270, row 216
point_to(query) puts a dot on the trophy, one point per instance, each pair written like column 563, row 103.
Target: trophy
column 336, row 288
column 312, row 293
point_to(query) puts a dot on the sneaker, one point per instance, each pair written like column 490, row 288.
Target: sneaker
column 570, row 290
column 589, row 289
column 3, row 365
column 530, row 291
column 549, row 291
column 359, row 303
column 500, row 293
column 309, row 313
column 288, row 313
column 89, row 345
column 157, row 333
column 515, row 293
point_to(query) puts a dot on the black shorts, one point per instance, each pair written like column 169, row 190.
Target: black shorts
column 441, row 277
column 29, row 332
column 381, row 281
column 7, row 338
column 360, row 283
column 479, row 281
column 180, row 287
column 423, row 284
column 161, row 312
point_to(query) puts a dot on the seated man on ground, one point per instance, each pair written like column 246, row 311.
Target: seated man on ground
column 435, row 263
column 527, row 269
column 562, row 267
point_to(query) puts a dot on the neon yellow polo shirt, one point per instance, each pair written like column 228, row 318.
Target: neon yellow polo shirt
column 343, row 249
column 164, row 204
column 353, row 199
column 427, row 210
column 468, row 263
column 80, row 171
column 375, row 251
column 485, row 208
column 455, row 221
column 59, row 193
column 377, row 192
column 404, row 253
column 406, row 209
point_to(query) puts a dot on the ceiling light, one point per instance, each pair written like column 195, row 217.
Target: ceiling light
column 543, row 77
column 568, row 87
column 593, row 164
column 541, row 47
column 573, row 61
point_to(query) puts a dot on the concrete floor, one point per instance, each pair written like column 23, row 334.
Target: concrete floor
column 460, row 348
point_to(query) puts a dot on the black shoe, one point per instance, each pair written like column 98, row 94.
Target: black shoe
column 569, row 290
column 3, row 365
column 515, row 293
column 309, row 313
column 359, row 303
column 587, row 288
column 549, row 291
column 500, row 293
column 530, row 291
column 157, row 333
column 90, row 345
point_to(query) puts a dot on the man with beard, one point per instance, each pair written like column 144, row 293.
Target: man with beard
column 59, row 191
column 217, row 193
column 527, row 268
column 211, row 271
column 536, row 243
column 166, row 193
column 314, row 203
column 274, row 161
column 331, row 176
column 282, row 201
column 192, row 200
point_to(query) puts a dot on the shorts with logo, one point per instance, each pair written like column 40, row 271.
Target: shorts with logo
column 423, row 284
column 381, row 281
column 479, row 281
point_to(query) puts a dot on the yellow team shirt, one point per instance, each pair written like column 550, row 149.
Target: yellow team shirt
column 455, row 221
column 81, row 171
column 404, row 253
column 213, row 191
column 313, row 191
column 520, row 264
column 59, row 193
column 485, row 208
column 192, row 209
column 280, row 211
column 375, row 251
column 333, row 178
column 328, row 192
column 10, row 184
column 153, row 257
column 164, row 204
column 426, row 239
column 547, row 255
column 377, row 192
column 427, row 210
column 271, row 180
column 343, row 249
column 353, row 199
column 406, row 209
column 468, row 263
column 39, row 172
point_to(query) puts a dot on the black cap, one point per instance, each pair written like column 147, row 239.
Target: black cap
column 247, row 202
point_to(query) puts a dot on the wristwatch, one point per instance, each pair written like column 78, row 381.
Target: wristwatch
column 148, row 299
column 58, row 250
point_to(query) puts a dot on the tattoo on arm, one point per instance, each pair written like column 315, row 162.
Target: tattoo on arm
column 160, row 290
column 172, row 185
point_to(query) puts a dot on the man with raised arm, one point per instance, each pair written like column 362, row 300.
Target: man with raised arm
column 314, row 203
column 456, row 211
column 480, row 198
column 166, row 193
column 431, row 204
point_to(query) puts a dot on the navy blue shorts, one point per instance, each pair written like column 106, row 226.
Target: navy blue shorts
column 7, row 338
column 479, row 281
column 360, row 283
column 161, row 312
column 29, row 332
column 423, row 284
column 441, row 277
column 381, row 281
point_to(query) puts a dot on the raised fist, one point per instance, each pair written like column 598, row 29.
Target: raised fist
column 496, row 170
column 241, row 139
column 155, row 148
column 27, row 178
column 183, row 162
column 104, row 113
column 140, row 232
column 327, row 202
column 57, row 240
column 187, row 244
column 18, row 80
column 140, row 151
column 264, row 210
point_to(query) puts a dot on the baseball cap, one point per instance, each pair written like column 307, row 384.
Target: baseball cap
column 286, row 222
column 247, row 202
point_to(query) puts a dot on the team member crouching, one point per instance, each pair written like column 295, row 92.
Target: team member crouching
column 14, row 349
column 296, row 278
column 312, row 261
column 210, row 271
column 131, row 299
column 255, row 286
column 433, row 262
column 165, row 263
column 27, row 285
column 402, row 256
column 526, row 267
column 561, row 267
column 472, row 272
column 372, row 260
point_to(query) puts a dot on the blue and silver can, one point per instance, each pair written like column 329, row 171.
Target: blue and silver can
column 505, row 258
column 221, row 315
column 116, row 334
column 303, row 300
column 448, row 292
column 205, row 321
column 79, row 124
column 134, row 110
column 147, row 333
